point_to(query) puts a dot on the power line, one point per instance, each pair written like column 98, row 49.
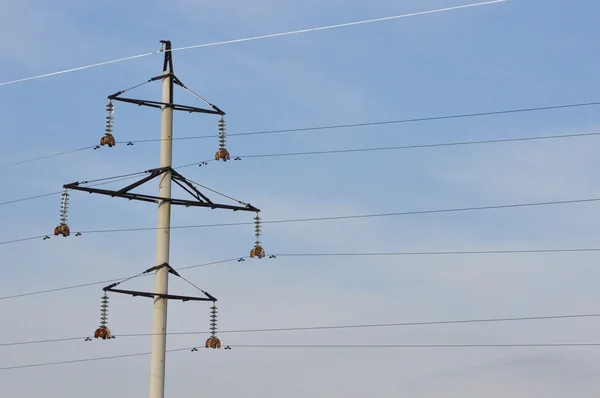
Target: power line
column 334, row 327
column 85, row 360
column 414, row 345
column 347, row 346
column 347, row 217
column 332, row 218
column 389, row 148
column 109, row 180
column 59, row 289
column 6, row 242
column 344, row 24
column 114, row 61
column 444, row 144
column 372, row 254
column 251, row 39
column 30, row 198
column 113, row 179
column 440, row 253
column 47, row 156
column 335, row 151
column 384, row 122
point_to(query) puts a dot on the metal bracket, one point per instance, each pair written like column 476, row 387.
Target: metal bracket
column 134, row 293
column 159, row 105
column 201, row 200
column 167, row 67
column 157, row 267
column 166, row 296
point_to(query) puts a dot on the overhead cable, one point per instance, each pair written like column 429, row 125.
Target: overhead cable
column 336, row 218
column 346, row 346
column 59, row 289
column 329, row 327
column 372, row 254
column 295, row 32
column 376, row 123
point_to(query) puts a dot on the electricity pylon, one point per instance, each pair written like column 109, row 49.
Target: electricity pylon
column 164, row 199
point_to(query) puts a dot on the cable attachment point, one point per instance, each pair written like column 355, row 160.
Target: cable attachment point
column 222, row 153
column 108, row 138
column 213, row 341
column 62, row 228
column 103, row 332
column 257, row 251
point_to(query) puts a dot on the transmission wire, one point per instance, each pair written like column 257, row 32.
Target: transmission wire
column 386, row 122
column 527, row 345
column 327, row 327
column 251, row 39
column 335, row 218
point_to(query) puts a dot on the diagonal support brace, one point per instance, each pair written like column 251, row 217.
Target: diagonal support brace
column 201, row 200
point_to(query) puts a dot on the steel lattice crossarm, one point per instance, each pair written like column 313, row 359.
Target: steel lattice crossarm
column 200, row 200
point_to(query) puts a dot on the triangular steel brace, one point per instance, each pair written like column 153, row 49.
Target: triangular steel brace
column 201, row 200
column 167, row 67
column 135, row 293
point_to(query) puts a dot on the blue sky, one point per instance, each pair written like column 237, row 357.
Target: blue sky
column 503, row 56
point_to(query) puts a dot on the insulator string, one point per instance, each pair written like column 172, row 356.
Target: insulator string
column 222, row 153
column 103, row 332
column 213, row 321
column 63, row 228
column 108, row 138
column 257, row 250
column 64, row 208
column 213, row 341
column 104, row 311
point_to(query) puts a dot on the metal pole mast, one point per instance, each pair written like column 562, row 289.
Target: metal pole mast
column 161, row 285
column 164, row 199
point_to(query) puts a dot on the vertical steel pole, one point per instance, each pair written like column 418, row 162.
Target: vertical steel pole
column 161, row 286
